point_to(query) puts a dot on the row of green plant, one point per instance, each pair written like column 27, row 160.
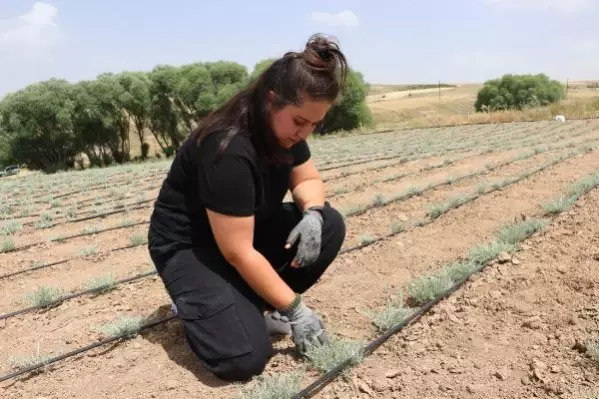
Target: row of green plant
column 380, row 200
column 438, row 209
column 508, row 145
column 46, row 187
column 407, row 143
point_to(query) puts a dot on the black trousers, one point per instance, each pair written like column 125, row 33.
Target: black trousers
column 222, row 316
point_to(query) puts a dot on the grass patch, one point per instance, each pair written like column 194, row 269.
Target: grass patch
column 327, row 357
column 512, row 234
column 138, row 239
column 484, row 253
column 593, row 350
column 458, row 271
column 340, row 190
column 276, row 386
column 92, row 229
column 558, row 205
column 124, row 327
column 355, row 209
column 573, row 194
column 71, row 212
column 411, row 192
column 44, row 221
column 7, row 245
column 102, row 284
column 426, row 288
column 56, row 237
column 11, row 228
column 481, row 188
column 87, row 251
column 44, row 296
column 23, row 362
column 126, row 222
column 391, row 315
column 367, row 239
column 397, row 227
column 378, row 200
column 436, row 210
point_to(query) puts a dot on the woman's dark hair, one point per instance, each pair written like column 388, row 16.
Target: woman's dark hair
column 318, row 72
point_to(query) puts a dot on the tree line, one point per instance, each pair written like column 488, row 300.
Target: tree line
column 48, row 124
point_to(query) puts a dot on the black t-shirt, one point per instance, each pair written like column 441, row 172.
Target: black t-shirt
column 232, row 184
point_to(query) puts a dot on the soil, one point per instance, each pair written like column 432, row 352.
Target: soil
column 513, row 331
column 508, row 333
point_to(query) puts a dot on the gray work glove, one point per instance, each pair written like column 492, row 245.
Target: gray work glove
column 277, row 324
column 309, row 233
column 306, row 327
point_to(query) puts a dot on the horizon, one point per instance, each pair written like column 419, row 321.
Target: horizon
column 464, row 43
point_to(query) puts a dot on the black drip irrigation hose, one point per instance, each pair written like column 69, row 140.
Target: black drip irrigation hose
column 133, row 278
column 27, row 246
column 84, row 204
column 75, row 295
column 29, row 269
column 59, row 262
column 95, row 187
column 101, row 215
column 101, row 186
column 80, row 350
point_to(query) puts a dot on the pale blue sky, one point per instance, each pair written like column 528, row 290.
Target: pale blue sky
column 401, row 41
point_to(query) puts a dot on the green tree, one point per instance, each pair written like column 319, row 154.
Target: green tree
column 37, row 123
column 351, row 111
column 111, row 96
column 518, row 92
column 193, row 90
column 136, row 100
column 165, row 115
column 261, row 67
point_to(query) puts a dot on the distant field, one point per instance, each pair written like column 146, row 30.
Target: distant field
column 411, row 108
column 382, row 89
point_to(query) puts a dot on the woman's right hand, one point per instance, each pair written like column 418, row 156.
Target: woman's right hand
column 306, row 326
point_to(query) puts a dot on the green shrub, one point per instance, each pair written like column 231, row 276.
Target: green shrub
column 518, row 92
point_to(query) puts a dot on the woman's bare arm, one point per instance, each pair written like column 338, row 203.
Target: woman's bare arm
column 234, row 237
column 306, row 186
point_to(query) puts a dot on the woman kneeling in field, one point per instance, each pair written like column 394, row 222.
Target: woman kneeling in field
column 228, row 249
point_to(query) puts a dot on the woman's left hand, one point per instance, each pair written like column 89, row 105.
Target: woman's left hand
column 309, row 232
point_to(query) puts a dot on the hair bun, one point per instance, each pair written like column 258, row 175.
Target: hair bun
column 320, row 53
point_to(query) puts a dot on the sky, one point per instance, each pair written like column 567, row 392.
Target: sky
column 389, row 41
